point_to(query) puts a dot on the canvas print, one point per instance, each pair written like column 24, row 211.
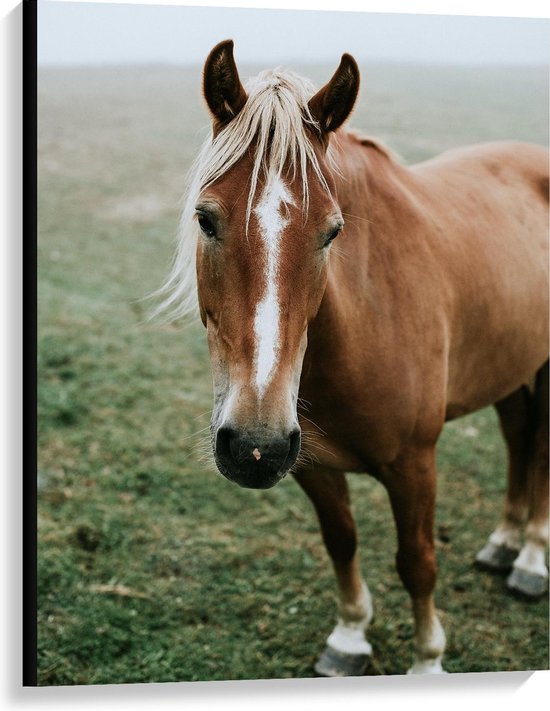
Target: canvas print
column 292, row 344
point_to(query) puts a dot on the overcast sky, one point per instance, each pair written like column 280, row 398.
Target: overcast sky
column 92, row 33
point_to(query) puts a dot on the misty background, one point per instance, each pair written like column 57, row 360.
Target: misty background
column 103, row 34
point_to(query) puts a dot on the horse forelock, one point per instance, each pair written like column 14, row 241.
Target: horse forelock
column 275, row 126
column 273, row 123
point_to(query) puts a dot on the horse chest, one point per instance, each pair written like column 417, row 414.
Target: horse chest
column 360, row 422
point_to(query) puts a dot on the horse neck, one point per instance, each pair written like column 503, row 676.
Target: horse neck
column 368, row 176
column 372, row 189
column 377, row 195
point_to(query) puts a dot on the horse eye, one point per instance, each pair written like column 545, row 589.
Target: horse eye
column 333, row 235
column 206, row 226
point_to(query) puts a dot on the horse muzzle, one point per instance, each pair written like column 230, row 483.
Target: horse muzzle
column 255, row 459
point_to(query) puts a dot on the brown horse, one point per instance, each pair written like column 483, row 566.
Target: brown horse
column 432, row 304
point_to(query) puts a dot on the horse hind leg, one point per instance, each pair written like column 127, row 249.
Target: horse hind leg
column 524, row 423
column 347, row 651
column 504, row 543
column 529, row 576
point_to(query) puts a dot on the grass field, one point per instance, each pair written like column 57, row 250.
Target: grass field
column 151, row 566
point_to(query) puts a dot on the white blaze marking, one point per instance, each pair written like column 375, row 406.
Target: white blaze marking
column 267, row 319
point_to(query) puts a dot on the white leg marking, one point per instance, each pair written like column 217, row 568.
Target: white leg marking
column 506, row 534
column 532, row 557
column 501, row 548
column 266, row 322
column 349, row 637
column 429, row 640
column 349, row 634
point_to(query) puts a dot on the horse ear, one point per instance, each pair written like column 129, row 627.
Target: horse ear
column 223, row 91
column 332, row 104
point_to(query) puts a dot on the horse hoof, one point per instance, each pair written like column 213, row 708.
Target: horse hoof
column 527, row 585
column 496, row 559
column 335, row 663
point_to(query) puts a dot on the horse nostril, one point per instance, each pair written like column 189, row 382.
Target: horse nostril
column 234, row 446
column 226, row 439
column 294, row 442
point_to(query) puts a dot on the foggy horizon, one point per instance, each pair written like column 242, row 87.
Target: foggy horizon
column 87, row 34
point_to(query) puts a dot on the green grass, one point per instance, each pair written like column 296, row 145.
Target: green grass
column 151, row 566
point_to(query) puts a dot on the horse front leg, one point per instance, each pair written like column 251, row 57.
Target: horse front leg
column 347, row 650
column 411, row 484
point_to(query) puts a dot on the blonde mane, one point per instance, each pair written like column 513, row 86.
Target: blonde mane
column 273, row 121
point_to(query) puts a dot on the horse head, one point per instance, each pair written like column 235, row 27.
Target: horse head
column 267, row 214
